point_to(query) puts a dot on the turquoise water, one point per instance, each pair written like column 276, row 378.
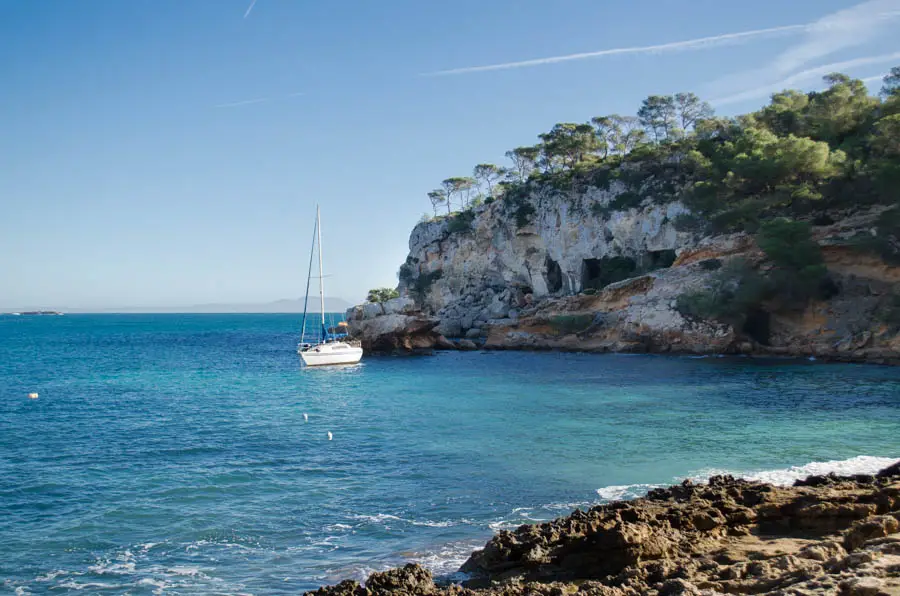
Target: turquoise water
column 170, row 453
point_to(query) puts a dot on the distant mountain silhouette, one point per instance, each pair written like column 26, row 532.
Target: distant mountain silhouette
column 278, row 306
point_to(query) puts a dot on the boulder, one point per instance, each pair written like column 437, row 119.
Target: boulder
column 466, row 344
column 442, row 343
column 450, row 327
column 371, row 310
column 395, row 332
column 401, row 305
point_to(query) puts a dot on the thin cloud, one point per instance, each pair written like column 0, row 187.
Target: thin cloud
column 249, row 8
column 806, row 76
column 838, row 31
column 878, row 78
column 247, row 102
column 690, row 44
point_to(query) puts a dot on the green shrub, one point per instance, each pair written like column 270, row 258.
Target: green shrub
column 523, row 213
column 408, row 270
column 885, row 242
column 569, row 324
column 423, row 283
column 461, row 222
column 799, row 271
column 625, row 200
column 733, row 292
column 381, row 295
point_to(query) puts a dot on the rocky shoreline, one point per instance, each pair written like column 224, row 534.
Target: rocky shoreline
column 824, row 535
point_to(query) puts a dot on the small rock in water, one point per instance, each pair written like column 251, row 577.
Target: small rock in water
column 329, row 435
column 32, row 396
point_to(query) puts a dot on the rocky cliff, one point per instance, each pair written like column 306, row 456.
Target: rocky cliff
column 824, row 535
column 577, row 271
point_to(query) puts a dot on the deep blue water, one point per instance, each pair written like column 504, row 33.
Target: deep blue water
column 170, row 454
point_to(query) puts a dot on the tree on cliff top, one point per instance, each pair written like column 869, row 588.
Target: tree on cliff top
column 437, row 197
column 803, row 153
column 458, row 186
column 524, row 160
column 488, row 173
column 381, row 295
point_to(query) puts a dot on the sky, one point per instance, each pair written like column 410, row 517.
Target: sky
column 172, row 152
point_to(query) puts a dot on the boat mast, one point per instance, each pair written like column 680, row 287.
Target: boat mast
column 321, row 272
column 312, row 251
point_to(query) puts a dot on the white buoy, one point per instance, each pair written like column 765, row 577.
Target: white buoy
column 32, row 396
column 329, row 435
column 306, row 417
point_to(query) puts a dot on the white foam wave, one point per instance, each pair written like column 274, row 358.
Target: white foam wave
column 187, row 571
column 381, row 518
column 445, row 560
column 107, row 568
column 74, row 585
column 50, row 575
column 861, row 464
column 159, row 586
column 625, row 491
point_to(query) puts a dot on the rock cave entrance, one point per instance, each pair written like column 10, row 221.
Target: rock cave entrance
column 658, row 259
column 554, row 276
column 757, row 326
column 599, row 273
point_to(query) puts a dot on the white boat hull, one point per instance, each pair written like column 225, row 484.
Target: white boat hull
column 331, row 353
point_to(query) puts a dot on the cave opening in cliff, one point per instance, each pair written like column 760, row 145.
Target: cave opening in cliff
column 658, row 259
column 757, row 326
column 554, row 276
column 599, row 273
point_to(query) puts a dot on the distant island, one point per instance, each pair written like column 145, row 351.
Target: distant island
column 277, row 306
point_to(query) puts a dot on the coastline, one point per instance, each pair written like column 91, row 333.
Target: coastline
column 824, row 534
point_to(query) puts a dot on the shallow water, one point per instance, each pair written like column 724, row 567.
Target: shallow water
column 169, row 453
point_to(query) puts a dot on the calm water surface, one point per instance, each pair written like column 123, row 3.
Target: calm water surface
column 170, row 453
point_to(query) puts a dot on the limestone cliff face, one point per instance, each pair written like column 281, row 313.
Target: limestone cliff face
column 486, row 269
column 570, row 271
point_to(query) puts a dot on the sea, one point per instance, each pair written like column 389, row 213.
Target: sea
column 190, row 454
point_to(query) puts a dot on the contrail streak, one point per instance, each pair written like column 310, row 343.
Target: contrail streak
column 247, row 102
column 243, row 102
column 690, row 44
column 249, row 8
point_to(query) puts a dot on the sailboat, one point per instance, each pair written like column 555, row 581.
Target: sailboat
column 324, row 347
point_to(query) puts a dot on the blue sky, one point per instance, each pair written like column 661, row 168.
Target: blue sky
column 166, row 152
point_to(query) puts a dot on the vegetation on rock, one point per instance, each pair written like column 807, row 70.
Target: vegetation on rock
column 801, row 154
column 381, row 295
